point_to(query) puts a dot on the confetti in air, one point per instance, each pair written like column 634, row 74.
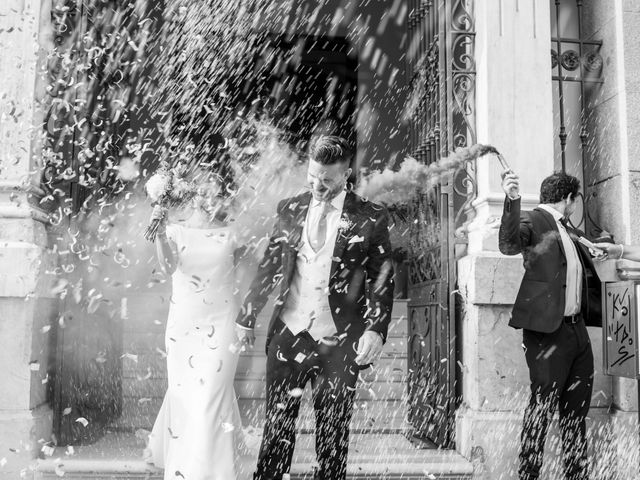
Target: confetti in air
column 155, row 103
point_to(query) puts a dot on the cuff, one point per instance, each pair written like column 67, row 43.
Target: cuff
column 383, row 335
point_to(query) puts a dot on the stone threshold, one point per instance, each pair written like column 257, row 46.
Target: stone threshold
column 118, row 456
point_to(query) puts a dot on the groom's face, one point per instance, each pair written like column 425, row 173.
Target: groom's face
column 327, row 181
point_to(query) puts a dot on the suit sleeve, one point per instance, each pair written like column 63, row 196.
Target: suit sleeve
column 515, row 229
column 380, row 277
column 268, row 276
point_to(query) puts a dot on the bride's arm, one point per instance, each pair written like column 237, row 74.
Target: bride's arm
column 166, row 251
column 165, row 247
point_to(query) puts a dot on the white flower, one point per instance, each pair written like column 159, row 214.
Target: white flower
column 344, row 224
column 157, row 185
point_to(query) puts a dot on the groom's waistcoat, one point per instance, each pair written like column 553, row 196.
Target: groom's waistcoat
column 307, row 306
column 361, row 256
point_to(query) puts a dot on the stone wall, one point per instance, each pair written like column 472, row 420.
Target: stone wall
column 26, row 307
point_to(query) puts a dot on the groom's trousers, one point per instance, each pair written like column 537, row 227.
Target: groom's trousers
column 292, row 362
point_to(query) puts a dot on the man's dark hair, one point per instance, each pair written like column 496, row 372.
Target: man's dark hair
column 330, row 149
column 556, row 187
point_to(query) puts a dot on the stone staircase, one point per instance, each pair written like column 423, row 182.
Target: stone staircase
column 371, row 456
column 379, row 447
column 380, row 405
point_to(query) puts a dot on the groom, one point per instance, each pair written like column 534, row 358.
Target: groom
column 329, row 258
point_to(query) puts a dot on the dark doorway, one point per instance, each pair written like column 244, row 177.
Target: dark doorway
column 108, row 367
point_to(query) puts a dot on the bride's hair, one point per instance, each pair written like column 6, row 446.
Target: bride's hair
column 219, row 170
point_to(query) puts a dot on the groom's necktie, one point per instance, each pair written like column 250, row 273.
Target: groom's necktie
column 318, row 231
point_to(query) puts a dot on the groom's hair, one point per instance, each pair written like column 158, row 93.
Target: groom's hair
column 330, row 149
column 557, row 186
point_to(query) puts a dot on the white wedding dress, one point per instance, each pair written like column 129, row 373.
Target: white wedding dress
column 197, row 433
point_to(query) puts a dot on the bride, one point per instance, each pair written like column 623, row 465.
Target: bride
column 197, row 432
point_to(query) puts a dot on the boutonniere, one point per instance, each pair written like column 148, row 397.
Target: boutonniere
column 344, row 226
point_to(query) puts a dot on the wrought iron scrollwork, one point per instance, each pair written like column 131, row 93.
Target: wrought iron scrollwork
column 442, row 118
column 463, row 125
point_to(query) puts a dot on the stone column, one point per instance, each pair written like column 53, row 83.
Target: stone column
column 614, row 123
column 513, row 107
column 26, row 310
column 515, row 114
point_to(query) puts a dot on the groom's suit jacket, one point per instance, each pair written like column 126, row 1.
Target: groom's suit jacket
column 540, row 303
column 361, row 257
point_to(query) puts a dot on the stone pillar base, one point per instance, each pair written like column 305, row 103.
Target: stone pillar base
column 491, row 440
column 20, row 435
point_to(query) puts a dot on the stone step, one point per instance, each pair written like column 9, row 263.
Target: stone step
column 143, row 351
column 368, row 416
column 118, row 455
column 388, row 367
column 151, row 312
column 145, row 343
column 255, row 388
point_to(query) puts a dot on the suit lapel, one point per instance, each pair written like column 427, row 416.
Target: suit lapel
column 295, row 224
column 551, row 223
column 349, row 216
column 298, row 217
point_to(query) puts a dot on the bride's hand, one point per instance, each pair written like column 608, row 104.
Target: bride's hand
column 160, row 213
column 246, row 336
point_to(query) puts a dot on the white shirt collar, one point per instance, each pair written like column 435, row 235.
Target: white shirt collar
column 557, row 216
column 337, row 202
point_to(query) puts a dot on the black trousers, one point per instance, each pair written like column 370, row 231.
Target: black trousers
column 561, row 371
column 292, row 361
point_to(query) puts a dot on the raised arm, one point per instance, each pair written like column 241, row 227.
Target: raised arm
column 166, row 249
column 515, row 232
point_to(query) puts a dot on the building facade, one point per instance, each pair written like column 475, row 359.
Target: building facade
column 550, row 83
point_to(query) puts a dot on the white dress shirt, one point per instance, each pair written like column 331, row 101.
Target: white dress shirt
column 307, row 306
column 574, row 267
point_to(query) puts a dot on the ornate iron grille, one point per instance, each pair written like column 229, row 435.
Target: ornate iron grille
column 577, row 68
column 441, row 112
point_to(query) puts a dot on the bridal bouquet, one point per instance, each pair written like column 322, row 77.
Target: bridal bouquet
column 166, row 188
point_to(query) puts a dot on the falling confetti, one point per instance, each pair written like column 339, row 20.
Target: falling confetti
column 48, row 450
column 130, row 356
column 83, row 421
column 228, row 427
column 296, row 392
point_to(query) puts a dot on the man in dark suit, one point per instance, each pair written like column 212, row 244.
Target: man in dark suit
column 329, row 257
column 559, row 295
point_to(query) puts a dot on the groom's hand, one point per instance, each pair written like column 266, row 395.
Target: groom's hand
column 369, row 348
column 246, row 336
